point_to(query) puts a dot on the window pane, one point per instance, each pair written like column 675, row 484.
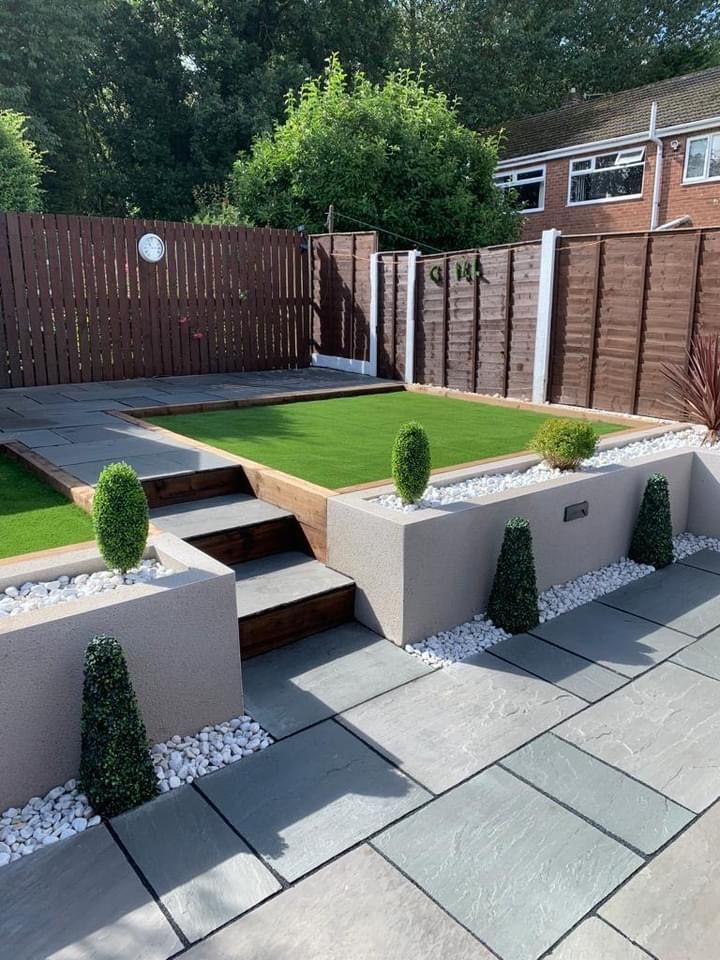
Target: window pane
column 605, row 184
column 714, row 170
column 581, row 164
column 696, row 157
column 528, row 195
column 607, row 161
column 530, row 175
column 503, row 179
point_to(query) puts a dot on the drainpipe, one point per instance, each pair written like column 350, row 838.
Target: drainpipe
column 657, row 185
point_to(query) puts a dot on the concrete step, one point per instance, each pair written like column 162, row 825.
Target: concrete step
column 288, row 596
column 233, row 528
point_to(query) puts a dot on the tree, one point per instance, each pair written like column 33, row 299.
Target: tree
column 21, row 165
column 393, row 154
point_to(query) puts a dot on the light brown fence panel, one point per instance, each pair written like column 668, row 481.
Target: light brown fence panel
column 493, row 327
column 392, row 314
column 341, row 293
column 77, row 303
column 523, row 318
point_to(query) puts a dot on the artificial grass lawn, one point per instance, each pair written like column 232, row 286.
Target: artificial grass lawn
column 344, row 441
column 33, row 516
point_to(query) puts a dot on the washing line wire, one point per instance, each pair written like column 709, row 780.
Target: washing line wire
column 390, row 233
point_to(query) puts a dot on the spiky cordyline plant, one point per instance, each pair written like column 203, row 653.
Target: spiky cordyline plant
column 697, row 386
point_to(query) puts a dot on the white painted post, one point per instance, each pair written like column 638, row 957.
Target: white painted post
column 543, row 327
column 374, row 308
column 410, row 316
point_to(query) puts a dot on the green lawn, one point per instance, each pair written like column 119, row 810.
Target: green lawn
column 348, row 440
column 33, row 516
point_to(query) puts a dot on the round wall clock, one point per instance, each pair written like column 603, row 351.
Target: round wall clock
column 151, row 247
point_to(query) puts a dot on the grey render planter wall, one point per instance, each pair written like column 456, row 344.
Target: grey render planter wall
column 180, row 636
column 430, row 569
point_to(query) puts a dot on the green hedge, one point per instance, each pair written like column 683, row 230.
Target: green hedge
column 120, row 517
column 410, row 462
column 513, row 603
column 652, row 538
column 116, row 771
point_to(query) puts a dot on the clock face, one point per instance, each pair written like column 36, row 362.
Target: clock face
column 151, row 247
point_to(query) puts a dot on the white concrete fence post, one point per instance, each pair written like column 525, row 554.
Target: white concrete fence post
column 543, row 328
column 374, row 312
column 410, row 316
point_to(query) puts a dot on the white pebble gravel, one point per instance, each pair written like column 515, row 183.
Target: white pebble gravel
column 15, row 600
column 478, row 634
column 65, row 811
column 488, row 483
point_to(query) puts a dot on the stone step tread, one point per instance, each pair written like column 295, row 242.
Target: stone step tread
column 198, row 518
column 282, row 579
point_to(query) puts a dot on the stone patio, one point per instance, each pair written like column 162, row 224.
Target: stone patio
column 554, row 798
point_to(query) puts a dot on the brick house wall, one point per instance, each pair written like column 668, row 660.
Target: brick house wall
column 700, row 201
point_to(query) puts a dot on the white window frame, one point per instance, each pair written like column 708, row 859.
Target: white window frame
column 593, row 169
column 513, row 173
column 704, row 178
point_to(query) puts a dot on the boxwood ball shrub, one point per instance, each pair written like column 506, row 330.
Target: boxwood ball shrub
column 120, row 517
column 411, row 462
column 652, row 538
column 563, row 443
column 116, row 771
column 513, row 603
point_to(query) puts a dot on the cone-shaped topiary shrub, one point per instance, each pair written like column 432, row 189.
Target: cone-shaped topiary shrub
column 411, row 462
column 116, row 771
column 563, row 443
column 652, row 537
column 513, row 603
column 120, row 516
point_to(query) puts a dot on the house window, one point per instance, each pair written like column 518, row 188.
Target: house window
column 608, row 176
column 702, row 158
column 528, row 187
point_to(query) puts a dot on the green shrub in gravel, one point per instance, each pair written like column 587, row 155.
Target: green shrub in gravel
column 652, row 538
column 116, row 771
column 563, row 443
column 513, row 603
column 120, row 517
column 410, row 462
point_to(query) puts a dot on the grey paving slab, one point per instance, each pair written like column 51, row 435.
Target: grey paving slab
column 444, row 727
column 190, row 459
column 357, row 908
column 663, row 729
column 35, row 438
column 678, row 596
column 114, row 429
column 280, row 579
column 10, row 421
column 310, row 797
column 80, row 900
column 202, row 871
column 146, row 466
column 671, row 907
column 704, row 560
column 61, row 409
column 580, row 676
column 632, row 812
column 612, row 638
column 512, row 866
column 595, row 940
column 198, row 517
column 116, row 449
column 703, row 655
column 315, row 678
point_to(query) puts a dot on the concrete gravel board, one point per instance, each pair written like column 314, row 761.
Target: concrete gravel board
column 444, row 727
column 663, row 729
column 511, row 865
column 310, row 797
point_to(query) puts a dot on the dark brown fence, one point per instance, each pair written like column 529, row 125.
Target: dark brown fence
column 77, row 303
column 475, row 315
column 341, row 293
column 625, row 305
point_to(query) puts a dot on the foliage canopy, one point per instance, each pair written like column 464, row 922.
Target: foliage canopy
column 21, row 165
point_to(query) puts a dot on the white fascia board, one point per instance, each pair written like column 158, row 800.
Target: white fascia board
column 597, row 145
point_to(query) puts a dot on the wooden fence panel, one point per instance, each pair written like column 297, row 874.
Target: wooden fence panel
column 77, row 303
